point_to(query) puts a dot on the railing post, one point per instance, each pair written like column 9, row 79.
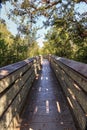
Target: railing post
column 49, row 57
column 40, row 61
column 38, row 64
column 35, row 67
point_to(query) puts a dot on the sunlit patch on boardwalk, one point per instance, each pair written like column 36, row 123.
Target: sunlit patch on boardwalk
column 47, row 106
column 31, row 129
column 58, row 107
column 39, row 89
column 36, row 109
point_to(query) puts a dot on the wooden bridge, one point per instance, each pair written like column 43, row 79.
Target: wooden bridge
column 53, row 97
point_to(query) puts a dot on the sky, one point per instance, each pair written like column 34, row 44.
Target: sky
column 13, row 28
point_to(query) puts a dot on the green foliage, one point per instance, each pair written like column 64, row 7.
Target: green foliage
column 67, row 36
column 3, row 50
column 33, row 50
column 16, row 48
column 58, row 45
column 81, row 53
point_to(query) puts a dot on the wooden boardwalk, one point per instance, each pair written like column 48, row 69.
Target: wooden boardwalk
column 46, row 107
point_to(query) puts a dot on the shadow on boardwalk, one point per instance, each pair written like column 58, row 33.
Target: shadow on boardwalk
column 46, row 107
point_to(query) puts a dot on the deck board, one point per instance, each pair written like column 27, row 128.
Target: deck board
column 46, row 107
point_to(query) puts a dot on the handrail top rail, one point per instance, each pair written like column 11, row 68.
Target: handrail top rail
column 79, row 67
column 7, row 70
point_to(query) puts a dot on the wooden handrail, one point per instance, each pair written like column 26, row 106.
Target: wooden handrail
column 72, row 76
column 15, row 82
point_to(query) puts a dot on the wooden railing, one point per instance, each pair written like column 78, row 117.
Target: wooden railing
column 72, row 76
column 15, row 82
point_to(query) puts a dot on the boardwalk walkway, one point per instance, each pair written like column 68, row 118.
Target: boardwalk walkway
column 46, row 107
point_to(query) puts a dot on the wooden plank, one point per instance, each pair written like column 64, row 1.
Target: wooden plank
column 76, row 90
column 66, row 82
column 82, row 81
column 7, row 70
column 79, row 67
column 5, row 82
column 15, row 107
column 7, row 98
column 77, row 110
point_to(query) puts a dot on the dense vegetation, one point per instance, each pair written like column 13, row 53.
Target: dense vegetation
column 67, row 36
column 66, row 40
column 15, row 48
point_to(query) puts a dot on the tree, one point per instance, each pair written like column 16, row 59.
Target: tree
column 68, row 26
column 16, row 48
column 58, row 43
column 68, row 35
column 5, row 43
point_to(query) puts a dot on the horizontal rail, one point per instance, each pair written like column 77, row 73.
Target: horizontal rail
column 15, row 83
column 72, row 76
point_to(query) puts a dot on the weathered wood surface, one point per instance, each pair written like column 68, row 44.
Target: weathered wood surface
column 11, row 73
column 76, row 66
column 15, row 82
column 46, row 107
column 73, row 79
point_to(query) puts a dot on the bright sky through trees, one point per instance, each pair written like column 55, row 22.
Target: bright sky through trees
column 81, row 7
column 60, row 24
column 12, row 27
